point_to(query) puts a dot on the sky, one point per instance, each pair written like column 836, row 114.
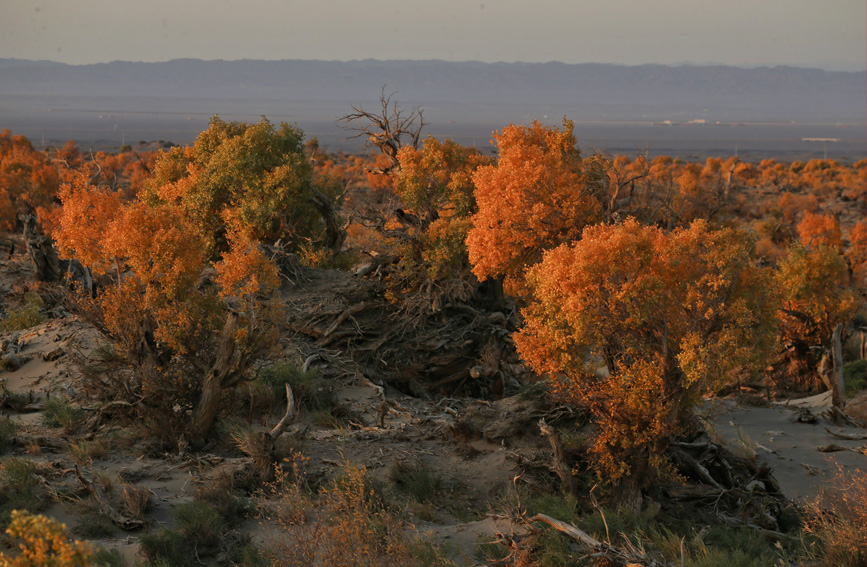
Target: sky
column 828, row 34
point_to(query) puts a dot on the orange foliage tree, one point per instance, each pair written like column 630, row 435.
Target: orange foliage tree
column 820, row 230
column 667, row 314
column 43, row 542
column 190, row 300
column 539, row 194
column 28, row 180
column 857, row 253
column 816, row 299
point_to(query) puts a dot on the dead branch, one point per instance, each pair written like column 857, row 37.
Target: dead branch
column 349, row 311
column 287, row 417
column 616, row 556
column 385, row 129
column 559, row 466
column 848, row 436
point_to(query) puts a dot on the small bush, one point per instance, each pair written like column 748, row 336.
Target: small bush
column 838, row 522
column 94, row 525
column 167, row 548
column 104, row 557
column 28, row 315
column 134, row 501
column 855, row 376
column 58, row 413
column 199, row 522
column 43, row 541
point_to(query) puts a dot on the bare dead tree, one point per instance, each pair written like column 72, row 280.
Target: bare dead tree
column 387, row 129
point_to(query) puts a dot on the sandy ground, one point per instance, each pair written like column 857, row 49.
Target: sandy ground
column 789, row 446
column 479, row 472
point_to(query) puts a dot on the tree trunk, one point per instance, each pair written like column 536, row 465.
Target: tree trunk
column 334, row 233
column 41, row 251
column 838, row 387
column 220, row 374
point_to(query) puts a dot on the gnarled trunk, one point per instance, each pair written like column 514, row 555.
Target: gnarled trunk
column 223, row 373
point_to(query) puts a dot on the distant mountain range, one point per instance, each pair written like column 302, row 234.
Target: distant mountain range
column 588, row 91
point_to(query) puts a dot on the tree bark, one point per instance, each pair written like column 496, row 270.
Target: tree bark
column 335, row 234
column 838, row 387
column 217, row 378
column 41, row 251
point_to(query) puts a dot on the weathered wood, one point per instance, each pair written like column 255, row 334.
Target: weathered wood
column 41, row 251
column 838, row 388
column 348, row 312
column 848, row 436
column 559, row 465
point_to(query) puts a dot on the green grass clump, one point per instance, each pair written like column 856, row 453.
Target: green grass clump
column 312, row 392
column 197, row 529
column 104, row 557
column 58, row 413
column 26, row 316
column 416, row 480
column 7, row 432
column 18, row 485
column 855, row 376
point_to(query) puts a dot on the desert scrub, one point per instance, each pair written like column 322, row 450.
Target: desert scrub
column 18, row 488
column 416, row 480
column 837, row 524
column 58, row 413
column 345, row 524
column 27, row 315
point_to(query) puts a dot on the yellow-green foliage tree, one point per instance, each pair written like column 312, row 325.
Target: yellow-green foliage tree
column 435, row 184
column 250, row 179
column 539, row 194
column 668, row 314
column 43, row 543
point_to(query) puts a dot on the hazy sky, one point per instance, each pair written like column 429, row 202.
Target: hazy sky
column 830, row 34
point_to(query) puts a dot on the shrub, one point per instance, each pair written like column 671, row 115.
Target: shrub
column 44, row 543
column 416, row 480
column 838, row 521
column 7, row 431
column 28, row 315
column 196, row 531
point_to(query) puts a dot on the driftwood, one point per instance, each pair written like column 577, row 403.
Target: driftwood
column 848, row 436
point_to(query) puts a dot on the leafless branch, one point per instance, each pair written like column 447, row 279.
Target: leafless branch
column 388, row 129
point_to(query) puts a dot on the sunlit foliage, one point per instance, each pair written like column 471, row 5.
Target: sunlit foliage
column 539, row 194
column 666, row 314
column 43, row 543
